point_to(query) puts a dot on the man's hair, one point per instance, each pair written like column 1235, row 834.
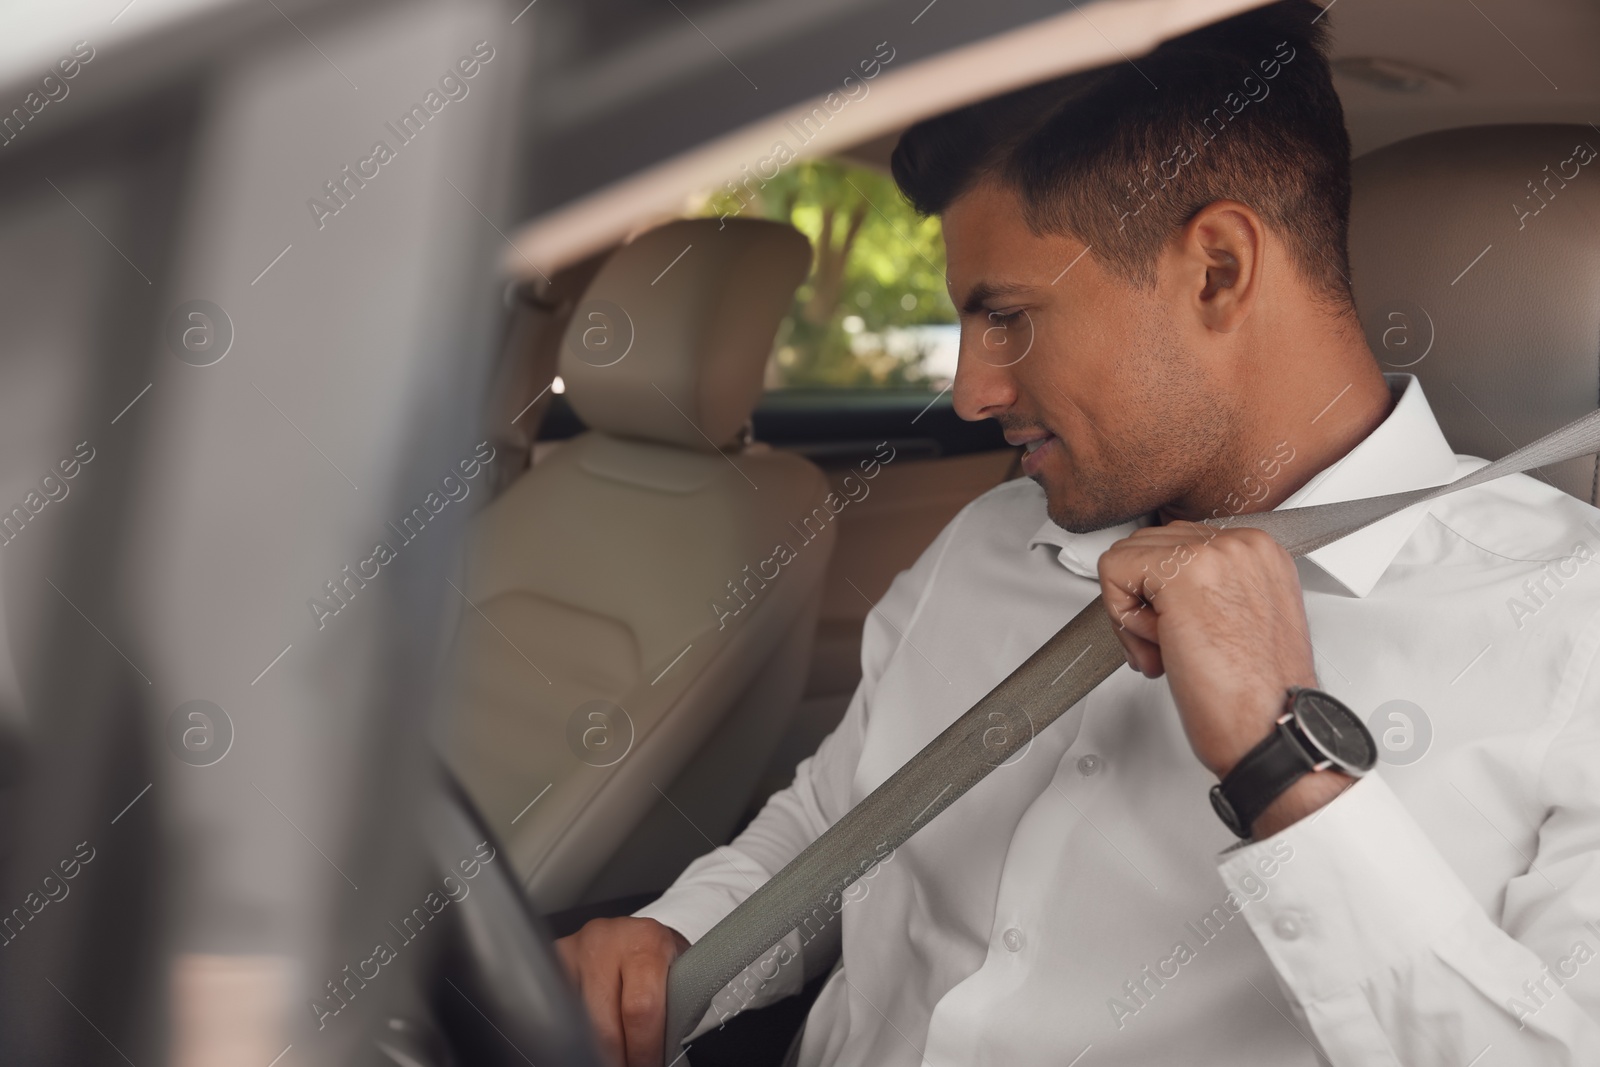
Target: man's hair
column 1123, row 156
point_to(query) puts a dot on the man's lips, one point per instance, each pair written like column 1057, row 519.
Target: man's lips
column 1030, row 440
column 1036, row 446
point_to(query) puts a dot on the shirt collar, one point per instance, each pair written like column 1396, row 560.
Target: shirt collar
column 1406, row 451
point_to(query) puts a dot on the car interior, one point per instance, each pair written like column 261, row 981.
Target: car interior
column 652, row 608
column 1421, row 200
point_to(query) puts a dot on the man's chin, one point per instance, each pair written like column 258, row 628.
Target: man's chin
column 1079, row 516
column 1075, row 525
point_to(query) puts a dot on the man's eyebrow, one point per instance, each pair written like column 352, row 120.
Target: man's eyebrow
column 978, row 298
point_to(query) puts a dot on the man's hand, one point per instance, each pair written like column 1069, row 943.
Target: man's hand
column 620, row 967
column 1220, row 612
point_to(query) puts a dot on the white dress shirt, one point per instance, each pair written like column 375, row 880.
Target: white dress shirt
column 1084, row 905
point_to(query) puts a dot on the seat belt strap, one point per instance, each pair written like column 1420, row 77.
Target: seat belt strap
column 1081, row 655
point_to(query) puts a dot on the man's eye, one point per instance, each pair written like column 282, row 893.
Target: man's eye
column 1004, row 318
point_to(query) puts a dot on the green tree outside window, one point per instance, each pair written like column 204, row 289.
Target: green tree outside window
column 877, row 269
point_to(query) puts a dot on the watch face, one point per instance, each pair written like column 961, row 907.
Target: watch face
column 1335, row 731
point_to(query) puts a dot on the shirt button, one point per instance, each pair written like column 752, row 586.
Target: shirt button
column 1012, row 939
column 1286, row 927
column 1090, row 765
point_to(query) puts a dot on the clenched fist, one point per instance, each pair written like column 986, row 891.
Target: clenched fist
column 620, row 968
column 1221, row 614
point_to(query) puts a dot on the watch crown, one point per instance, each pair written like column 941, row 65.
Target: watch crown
column 1225, row 812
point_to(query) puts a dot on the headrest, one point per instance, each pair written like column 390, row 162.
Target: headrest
column 1475, row 256
column 670, row 341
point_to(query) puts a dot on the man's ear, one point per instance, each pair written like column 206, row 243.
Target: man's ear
column 1219, row 254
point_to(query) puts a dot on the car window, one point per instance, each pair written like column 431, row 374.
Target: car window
column 873, row 314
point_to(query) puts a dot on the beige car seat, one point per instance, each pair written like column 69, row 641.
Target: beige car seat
column 645, row 595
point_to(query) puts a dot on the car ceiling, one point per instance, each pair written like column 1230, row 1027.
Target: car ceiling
column 620, row 135
column 1502, row 61
column 1405, row 67
column 623, row 86
column 618, row 85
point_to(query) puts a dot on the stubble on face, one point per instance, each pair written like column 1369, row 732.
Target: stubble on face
column 1147, row 447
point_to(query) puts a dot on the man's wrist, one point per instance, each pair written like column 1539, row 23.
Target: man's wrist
column 1308, row 795
column 1257, row 722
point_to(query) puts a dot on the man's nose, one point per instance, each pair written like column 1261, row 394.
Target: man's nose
column 984, row 385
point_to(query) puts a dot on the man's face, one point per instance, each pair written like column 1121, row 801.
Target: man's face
column 1107, row 384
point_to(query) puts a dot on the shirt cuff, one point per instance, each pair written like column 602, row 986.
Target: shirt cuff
column 1352, row 889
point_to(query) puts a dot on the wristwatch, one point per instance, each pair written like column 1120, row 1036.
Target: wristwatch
column 1315, row 733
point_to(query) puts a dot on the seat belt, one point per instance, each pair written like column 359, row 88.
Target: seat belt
column 807, row 892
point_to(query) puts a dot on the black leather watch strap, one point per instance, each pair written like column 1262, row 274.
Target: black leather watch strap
column 1264, row 773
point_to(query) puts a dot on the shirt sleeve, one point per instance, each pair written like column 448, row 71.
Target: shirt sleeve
column 716, row 883
column 1388, row 957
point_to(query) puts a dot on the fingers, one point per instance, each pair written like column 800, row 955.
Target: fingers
column 1132, row 574
column 601, row 994
column 1127, row 605
column 644, row 1006
column 1126, row 594
column 1137, row 568
column 1143, row 656
column 620, row 968
column 1145, row 574
column 568, row 957
column 1135, row 624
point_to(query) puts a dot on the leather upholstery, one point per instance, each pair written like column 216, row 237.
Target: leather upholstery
column 608, row 572
column 677, row 318
column 1507, row 346
column 521, row 392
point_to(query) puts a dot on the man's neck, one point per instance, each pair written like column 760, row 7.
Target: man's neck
column 1315, row 423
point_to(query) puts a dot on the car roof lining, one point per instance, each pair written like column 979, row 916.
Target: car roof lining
column 1490, row 70
column 1086, row 36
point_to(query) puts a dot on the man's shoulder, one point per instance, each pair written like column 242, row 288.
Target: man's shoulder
column 998, row 524
column 1519, row 518
column 1011, row 511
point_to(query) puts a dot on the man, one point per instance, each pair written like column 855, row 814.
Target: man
column 1152, row 290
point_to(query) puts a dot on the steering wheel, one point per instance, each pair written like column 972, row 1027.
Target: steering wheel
column 494, row 994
